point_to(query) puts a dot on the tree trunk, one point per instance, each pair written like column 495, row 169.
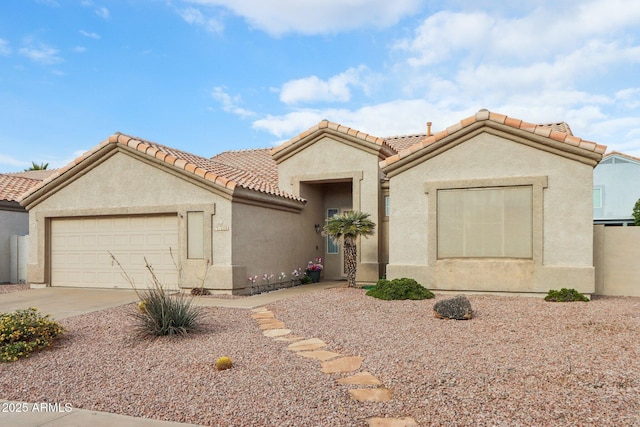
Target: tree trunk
column 351, row 263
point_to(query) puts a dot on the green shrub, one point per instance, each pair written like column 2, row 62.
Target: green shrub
column 636, row 213
column 399, row 289
column 306, row 280
column 565, row 295
column 24, row 331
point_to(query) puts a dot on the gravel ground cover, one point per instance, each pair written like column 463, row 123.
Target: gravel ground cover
column 5, row 289
column 520, row 362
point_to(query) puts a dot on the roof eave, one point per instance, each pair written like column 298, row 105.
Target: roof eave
column 459, row 133
column 354, row 137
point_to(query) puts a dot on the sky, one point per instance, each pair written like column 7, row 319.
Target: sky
column 206, row 76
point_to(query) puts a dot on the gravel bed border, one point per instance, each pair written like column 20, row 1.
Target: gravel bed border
column 520, row 361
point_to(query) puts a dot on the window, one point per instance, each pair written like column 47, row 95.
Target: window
column 387, row 206
column 485, row 222
column 195, row 235
column 597, row 198
column 332, row 247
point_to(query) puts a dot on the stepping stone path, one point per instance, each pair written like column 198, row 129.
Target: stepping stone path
column 332, row 363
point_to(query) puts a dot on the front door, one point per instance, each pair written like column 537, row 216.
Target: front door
column 334, row 255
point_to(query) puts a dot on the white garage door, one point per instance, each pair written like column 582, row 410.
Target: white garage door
column 80, row 250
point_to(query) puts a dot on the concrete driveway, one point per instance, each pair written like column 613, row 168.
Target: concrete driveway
column 66, row 302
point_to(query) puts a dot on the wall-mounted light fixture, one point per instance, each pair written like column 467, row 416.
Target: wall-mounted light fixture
column 318, row 228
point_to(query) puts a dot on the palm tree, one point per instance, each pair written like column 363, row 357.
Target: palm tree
column 38, row 167
column 348, row 227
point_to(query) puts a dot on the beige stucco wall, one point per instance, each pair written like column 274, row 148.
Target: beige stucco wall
column 331, row 159
column 616, row 254
column 562, row 224
column 269, row 241
column 126, row 185
column 11, row 223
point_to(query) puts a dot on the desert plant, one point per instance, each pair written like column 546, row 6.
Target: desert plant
column 37, row 167
column 565, row 295
column 160, row 313
column 636, row 213
column 399, row 289
column 348, row 227
column 200, row 291
column 305, row 280
column 24, row 331
column 224, row 363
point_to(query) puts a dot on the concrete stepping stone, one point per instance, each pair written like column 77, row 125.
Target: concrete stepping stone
column 259, row 310
column 290, row 338
column 319, row 354
column 267, row 320
column 391, row 422
column 344, row 364
column 309, row 344
column 272, row 333
column 370, row 394
column 361, row 378
column 276, row 324
column 263, row 315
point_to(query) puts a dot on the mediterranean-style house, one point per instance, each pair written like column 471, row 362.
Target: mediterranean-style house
column 491, row 203
column 615, row 189
column 14, row 222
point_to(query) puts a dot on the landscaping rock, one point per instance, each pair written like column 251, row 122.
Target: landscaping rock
column 458, row 308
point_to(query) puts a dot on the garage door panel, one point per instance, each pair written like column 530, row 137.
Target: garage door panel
column 80, row 250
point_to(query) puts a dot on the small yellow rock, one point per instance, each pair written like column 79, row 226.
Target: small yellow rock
column 142, row 306
column 224, row 363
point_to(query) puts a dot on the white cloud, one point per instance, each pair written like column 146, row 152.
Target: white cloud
column 90, row 35
column 629, row 97
column 194, row 16
column 313, row 89
column 103, row 12
column 399, row 117
column 80, row 49
column 541, row 34
column 230, row 104
column 42, row 54
column 5, row 49
column 12, row 162
column 278, row 17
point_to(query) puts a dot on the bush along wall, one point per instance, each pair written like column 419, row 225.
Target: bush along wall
column 399, row 289
column 565, row 295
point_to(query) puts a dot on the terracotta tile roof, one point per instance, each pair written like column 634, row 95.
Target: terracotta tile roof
column 399, row 143
column 617, row 153
column 12, row 186
column 548, row 131
column 560, row 127
column 225, row 175
column 256, row 161
column 325, row 124
column 36, row 174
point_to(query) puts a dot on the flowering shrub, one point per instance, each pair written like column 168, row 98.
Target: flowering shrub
column 315, row 265
column 24, row 331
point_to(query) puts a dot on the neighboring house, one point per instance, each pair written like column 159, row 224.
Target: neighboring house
column 616, row 189
column 14, row 219
column 491, row 203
